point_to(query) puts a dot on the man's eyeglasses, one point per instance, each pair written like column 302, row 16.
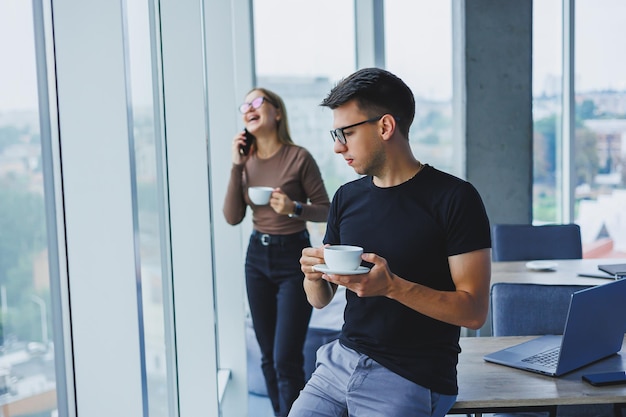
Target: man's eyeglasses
column 254, row 104
column 337, row 134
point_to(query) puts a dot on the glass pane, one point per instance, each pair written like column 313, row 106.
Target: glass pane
column 430, row 78
column 27, row 367
column 301, row 53
column 547, row 108
column 155, row 279
column 302, row 63
column 600, row 145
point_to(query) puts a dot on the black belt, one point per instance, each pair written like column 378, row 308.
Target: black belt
column 267, row 239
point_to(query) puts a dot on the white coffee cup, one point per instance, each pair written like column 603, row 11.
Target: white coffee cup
column 342, row 257
column 260, row 195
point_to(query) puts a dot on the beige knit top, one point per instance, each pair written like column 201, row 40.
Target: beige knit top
column 294, row 170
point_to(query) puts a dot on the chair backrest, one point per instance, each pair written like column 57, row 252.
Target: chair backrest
column 530, row 309
column 525, row 242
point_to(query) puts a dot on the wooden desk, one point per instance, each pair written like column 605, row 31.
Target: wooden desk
column 485, row 387
column 566, row 272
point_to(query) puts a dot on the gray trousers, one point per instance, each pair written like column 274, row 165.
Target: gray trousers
column 348, row 384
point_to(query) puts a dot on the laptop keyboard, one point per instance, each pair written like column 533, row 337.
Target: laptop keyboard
column 547, row 358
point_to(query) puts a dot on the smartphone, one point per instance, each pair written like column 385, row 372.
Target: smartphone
column 245, row 149
column 606, row 378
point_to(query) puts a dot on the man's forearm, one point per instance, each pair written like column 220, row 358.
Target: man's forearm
column 319, row 292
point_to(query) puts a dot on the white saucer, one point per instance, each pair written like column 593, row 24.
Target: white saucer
column 323, row 268
column 541, row 265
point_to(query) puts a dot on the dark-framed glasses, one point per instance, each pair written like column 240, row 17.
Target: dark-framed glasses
column 337, row 134
column 254, row 104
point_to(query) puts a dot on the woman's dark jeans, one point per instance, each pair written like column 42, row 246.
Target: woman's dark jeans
column 280, row 313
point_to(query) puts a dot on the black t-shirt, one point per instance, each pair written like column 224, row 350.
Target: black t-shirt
column 415, row 226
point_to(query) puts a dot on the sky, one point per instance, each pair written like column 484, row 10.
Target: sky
column 17, row 63
column 300, row 37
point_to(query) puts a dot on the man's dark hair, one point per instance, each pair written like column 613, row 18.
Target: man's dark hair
column 376, row 92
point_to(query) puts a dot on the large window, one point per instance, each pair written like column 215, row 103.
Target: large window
column 547, row 108
column 301, row 53
column 301, row 62
column 598, row 138
column 600, row 126
column 27, row 366
column 147, row 143
column 426, row 66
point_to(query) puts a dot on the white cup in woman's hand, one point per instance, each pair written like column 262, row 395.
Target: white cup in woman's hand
column 260, row 195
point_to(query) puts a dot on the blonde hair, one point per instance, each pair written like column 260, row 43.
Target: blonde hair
column 282, row 125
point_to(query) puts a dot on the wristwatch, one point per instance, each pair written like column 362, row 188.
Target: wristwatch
column 297, row 209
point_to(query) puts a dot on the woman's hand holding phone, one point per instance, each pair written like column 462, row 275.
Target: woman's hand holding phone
column 239, row 151
column 245, row 148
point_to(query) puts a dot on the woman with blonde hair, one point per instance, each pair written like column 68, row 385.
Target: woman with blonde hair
column 265, row 155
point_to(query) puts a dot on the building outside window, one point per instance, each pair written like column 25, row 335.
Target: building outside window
column 426, row 66
column 599, row 137
column 27, row 364
column 302, row 67
column 600, row 134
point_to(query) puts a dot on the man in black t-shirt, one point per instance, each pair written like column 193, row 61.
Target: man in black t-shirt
column 425, row 235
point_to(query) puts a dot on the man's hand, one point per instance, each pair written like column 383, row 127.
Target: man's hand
column 318, row 291
column 310, row 257
column 376, row 282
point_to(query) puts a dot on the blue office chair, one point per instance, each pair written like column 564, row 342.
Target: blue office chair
column 529, row 309
column 525, row 242
column 533, row 309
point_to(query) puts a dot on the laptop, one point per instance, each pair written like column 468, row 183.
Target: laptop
column 616, row 270
column 594, row 329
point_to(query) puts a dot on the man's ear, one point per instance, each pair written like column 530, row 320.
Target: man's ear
column 387, row 126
